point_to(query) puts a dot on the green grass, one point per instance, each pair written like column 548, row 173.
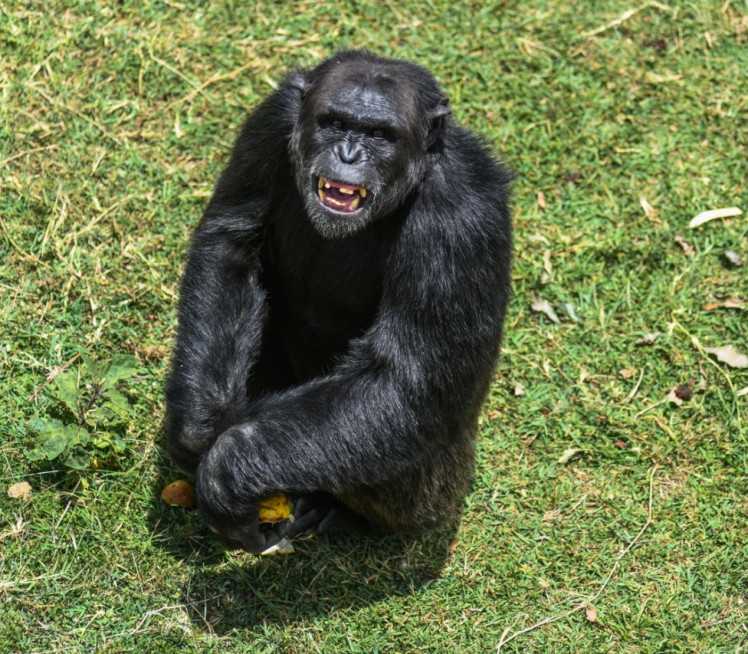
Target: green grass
column 115, row 121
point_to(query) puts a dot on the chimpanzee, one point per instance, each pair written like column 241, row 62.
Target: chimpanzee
column 341, row 307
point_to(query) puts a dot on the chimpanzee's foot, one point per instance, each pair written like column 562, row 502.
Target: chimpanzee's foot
column 321, row 514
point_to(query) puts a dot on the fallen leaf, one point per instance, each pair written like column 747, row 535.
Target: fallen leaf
column 733, row 258
column 550, row 516
column 541, row 200
column 627, row 373
column 179, row 493
column 706, row 216
column 453, row 546
column 729, row 355
column 590, row 612
column 729, row 303
column 648, row 339
column 519, row 389
column 568, row 454
column 673, row 398
column 20, row 491
column 620, row 444
column 547, row 264
column 541, row 305
column 569, row 311
column 649, row 211
column 687, row 249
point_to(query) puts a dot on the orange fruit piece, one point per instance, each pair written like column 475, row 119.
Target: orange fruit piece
column 179, row 493
column 275, row 508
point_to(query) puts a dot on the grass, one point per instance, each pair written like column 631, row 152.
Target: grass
column 115, row 121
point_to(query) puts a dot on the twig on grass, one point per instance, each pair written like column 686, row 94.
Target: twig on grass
column 26, row 152
column 625, row 16
column 212, row 80
column 636, row 388
column 506, row 636
column 26, row 255
column 59, row 103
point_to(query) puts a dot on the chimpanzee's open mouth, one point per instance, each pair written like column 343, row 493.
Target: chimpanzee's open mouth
column 337, row 196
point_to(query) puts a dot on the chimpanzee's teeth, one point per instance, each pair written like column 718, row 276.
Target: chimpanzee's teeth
column 358, row 193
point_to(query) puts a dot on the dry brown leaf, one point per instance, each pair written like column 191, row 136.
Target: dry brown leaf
column 20, row 491
column 453, row 546
column 729, row 355
column 729, row 303
column 568, row 454
column 733, row 258
column 687, row 249
column 706, row 216
column 590, row 612
column 179, row 493
column 541, row 305
column 547, row 264
column 648, row 339
column 649, row 211
column 541, row 200
column 550, row 516
column 627, row 373
column 672, row 396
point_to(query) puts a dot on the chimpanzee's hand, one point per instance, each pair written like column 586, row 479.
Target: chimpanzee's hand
column 246, row 534
column 229, row 508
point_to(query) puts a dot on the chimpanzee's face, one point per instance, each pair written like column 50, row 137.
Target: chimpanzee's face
column 358, row 149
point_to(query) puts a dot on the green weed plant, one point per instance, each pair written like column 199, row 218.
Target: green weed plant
column 89, row 416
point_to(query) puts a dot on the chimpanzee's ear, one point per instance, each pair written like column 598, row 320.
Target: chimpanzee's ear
column 436, row 116
column 298, row 80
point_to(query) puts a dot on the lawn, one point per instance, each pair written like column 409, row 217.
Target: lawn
column 609, row 510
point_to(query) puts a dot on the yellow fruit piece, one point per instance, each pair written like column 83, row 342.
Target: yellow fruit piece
column 275, row 508
column 179, row 493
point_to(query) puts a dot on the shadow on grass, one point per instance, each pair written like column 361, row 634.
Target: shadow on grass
column 230, row 591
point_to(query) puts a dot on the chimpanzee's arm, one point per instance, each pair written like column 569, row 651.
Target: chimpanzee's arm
column 221, row 314
column 222, row 304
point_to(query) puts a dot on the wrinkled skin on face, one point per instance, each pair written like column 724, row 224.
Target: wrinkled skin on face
column 360, row 145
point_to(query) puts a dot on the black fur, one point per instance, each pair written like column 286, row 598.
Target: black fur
column 342, row 357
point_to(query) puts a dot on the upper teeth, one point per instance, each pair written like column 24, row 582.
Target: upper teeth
column 323, row 183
